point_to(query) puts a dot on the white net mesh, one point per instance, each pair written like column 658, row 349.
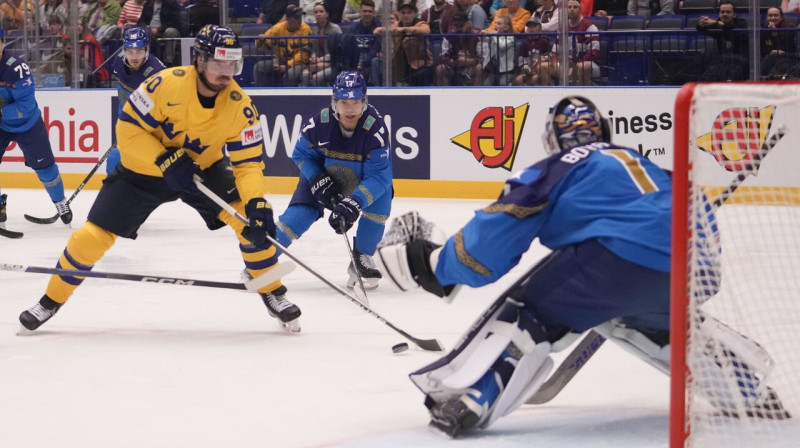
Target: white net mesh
column 743, row 342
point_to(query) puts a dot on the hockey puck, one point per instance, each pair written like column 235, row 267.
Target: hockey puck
column 399, row 348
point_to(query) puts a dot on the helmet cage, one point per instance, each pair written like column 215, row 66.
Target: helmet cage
column 574, row 121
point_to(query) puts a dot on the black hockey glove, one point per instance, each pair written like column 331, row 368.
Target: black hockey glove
column 259, row 214
column 177, row 168
column 344, row 214
column 323, row 188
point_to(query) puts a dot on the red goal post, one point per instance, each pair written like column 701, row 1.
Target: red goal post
column 735, row 268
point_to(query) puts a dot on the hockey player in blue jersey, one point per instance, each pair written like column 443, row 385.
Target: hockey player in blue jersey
column 21, row 122
column 129, row 68
column 345, row 166
column 605, row 212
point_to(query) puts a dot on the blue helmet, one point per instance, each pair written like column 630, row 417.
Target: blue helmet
column 574, row 121
column 135, row 37
column 349, row 85
column 219, row 42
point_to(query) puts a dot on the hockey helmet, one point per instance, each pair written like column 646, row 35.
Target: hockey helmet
column 221, row 44
column 349, row 85
column 574, row 121
column 135, row 37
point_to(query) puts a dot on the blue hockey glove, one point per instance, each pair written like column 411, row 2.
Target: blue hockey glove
column 344, row 214
column 177, row 168
column 323, row 188
column 259, row 214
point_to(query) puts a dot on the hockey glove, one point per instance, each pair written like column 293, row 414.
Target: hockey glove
column 323, row 188
column 412, row 265
column 177, row 168
column 344, row 214
column 259, row 214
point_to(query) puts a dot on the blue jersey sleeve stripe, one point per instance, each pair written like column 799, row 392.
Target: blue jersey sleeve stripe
column 128, row 119
column 147, row 118
column 250, row 160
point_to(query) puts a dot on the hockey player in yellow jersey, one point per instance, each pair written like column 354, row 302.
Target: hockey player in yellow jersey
column 176, row 124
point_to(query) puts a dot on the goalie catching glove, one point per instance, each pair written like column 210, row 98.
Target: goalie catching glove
column 344, row 214
column 411, row 265
column 325, row 191
column 261, row 222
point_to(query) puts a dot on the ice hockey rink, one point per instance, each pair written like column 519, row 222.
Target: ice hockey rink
column 128, row 364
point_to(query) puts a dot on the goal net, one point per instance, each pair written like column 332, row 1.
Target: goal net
column 736, row 266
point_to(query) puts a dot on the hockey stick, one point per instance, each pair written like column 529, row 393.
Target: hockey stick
column 425, row 344
column 363, row 297
column 592, row 342
column 10, row 233
column 53, row 219
column 255, row 284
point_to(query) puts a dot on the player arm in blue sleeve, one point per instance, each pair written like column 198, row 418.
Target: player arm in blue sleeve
column 307, row 157
column 377, row 179
column 491, row 243
column 23, row 100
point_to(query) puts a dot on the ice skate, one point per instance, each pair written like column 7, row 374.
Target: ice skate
column 366, row 267
column 279, row 307
column 35, row 316
column 64, row 211
column 3, row 215
column 456, row 415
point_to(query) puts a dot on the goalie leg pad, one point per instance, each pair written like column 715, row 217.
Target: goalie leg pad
column 637, row 343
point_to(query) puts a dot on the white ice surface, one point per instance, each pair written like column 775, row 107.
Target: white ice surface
column 126, row 364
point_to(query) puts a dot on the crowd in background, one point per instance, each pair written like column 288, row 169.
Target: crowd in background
column 433, row 42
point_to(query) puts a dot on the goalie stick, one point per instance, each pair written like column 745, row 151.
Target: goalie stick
column 592, row 342
column 53, row 219
column 425, row 344
column 255, row 284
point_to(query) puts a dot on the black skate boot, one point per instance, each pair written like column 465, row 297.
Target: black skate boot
column 282, row 309
column 455, row 416
column 64, row 212
column 3, row 215
column 35, row 316
column 366, row 267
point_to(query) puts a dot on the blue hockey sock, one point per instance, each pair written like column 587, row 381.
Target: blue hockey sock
column 51, row 179
column 294, row 222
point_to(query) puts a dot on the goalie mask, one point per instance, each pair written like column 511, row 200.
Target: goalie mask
column 574, row 121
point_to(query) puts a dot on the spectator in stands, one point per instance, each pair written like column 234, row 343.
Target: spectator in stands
column 352, row 10
column 52, row 55
column 93, row 56
column 308, row 11
column 778, row 48
column 163, row 19
column 475, row 14
column 320, row 68
column 461, row 61
column 518, row 17
column 498, row 52
column 49, row 8
column 790, row 6
column 731, row 59
column 335, row 9
column 367, row 43
column 129, row 16
column 14, row 14
column 290, row 51
column 272, row 10
column 584, row 48
column 439, row 16
column 605, row 8
column 644, row 8
column 534, row 49
column 498, row 4
column 103, row 16
column 411, row 58
column 547, row 15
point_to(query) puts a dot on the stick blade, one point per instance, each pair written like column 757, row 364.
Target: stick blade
column 276, row 273
column 10, row 233
column 430, row 345
column 36, row 220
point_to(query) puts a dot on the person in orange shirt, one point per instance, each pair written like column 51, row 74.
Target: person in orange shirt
column 13, row 13
column 519, row 17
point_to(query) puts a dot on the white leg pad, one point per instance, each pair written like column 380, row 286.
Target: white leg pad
column 531, row 371
column 637, row 344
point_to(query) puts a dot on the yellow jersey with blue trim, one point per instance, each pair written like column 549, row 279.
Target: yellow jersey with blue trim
column 165, row 111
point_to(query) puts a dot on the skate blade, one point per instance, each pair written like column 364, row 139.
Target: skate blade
column 22, row 331
column 369, row 284
column 293, row 326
